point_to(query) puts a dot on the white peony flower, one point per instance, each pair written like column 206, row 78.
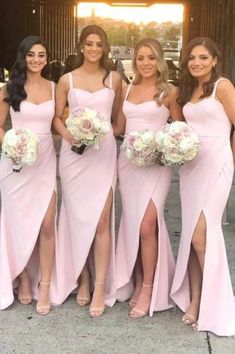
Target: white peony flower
column 138, row 144
column 97, row 123
column 105, row 127
column 147, row 137
column 159, row 139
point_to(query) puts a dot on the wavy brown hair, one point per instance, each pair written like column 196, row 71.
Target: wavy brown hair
column 105, row 61
column 162, row 72
column 15, row 87
column 187, row 82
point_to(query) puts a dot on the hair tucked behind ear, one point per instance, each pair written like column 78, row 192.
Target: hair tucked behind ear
column 15, row 87
column 187, row 82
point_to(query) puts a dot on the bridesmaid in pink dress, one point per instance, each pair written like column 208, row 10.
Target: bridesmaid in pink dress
column 28, row 197
column 143, row 245
column 86, row 222
column 202, row 286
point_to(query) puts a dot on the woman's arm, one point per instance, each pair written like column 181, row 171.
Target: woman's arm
column 119, row 121
column 4, row 110
column 61, row 100
column 174, row 108
column 233, row 144
column 226, row 95
column 117, row 86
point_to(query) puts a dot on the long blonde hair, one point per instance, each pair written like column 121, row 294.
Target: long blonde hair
column 162, row 72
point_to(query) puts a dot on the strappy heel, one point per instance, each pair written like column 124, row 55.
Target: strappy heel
column 24, row 299
column 83, row 297
column 143, row 298
column 43, row 309
column 83, row 301
column 189, row 319
column 191, row 315
column 95, row 312
column 135, row 295
column 195, row 326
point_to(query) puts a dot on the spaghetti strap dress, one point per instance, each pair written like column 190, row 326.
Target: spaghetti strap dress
column 25, row 199
column 86, row 182
column 139, row 185
column 205, row 183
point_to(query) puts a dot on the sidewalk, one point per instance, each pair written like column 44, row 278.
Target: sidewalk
column 69, row 329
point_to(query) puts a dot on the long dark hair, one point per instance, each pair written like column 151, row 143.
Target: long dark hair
column 15, row 87
column 70, row 63
column 105, row 61
column 187, row 82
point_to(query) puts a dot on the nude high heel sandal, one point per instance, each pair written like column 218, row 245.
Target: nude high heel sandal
column 43, row 309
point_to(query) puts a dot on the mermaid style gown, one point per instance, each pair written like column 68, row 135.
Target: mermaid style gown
column 25, row 199
column 139, row 185
column 86, row 182
column 205, row 184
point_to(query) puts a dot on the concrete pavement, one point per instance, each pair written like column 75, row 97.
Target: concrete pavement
column 69, row 329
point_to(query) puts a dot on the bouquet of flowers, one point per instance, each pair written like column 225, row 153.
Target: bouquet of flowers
column 141, row 148
column 87, row 127
column 20, row 145
column 177, row 143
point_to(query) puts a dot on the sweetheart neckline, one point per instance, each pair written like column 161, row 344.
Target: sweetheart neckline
column 90, row 92
column 38, row 104
column 137, row 104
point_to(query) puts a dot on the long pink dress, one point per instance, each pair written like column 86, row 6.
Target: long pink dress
column 86, row 182
column 139, row 185
column 205, row 184
column 25, row 198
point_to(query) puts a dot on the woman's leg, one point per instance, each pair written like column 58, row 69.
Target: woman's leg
column 195, row 268
column 83, row 294
column 24, row 289
column 46, row 256
column 195, row 281
column 102, row 244
column 149, row 250
column 138, row 279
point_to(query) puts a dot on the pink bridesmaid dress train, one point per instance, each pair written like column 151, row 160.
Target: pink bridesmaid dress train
column 139, row 185
column 25, row 198
column 86, row 182
column 205, row 184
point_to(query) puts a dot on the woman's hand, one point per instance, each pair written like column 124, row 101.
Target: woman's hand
column 68, row 137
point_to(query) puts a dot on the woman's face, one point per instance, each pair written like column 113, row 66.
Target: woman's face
column 201, row 62
column 146, row 62
column 93, row 48
column 36, row 58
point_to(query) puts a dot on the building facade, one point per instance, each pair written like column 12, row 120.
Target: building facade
column 55, row 21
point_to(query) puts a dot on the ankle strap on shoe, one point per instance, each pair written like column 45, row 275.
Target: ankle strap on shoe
column 147, row 286
column 99, row 283
column 44, row 283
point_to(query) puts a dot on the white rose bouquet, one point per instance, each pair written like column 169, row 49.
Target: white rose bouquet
column 87, row 127
column 141, row 148
column 20, row 145
column 177, row 143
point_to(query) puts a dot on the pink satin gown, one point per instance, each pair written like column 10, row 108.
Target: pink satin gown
column 25, row 198
column 86, row 182
column 205, row 184
column 139, row 185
